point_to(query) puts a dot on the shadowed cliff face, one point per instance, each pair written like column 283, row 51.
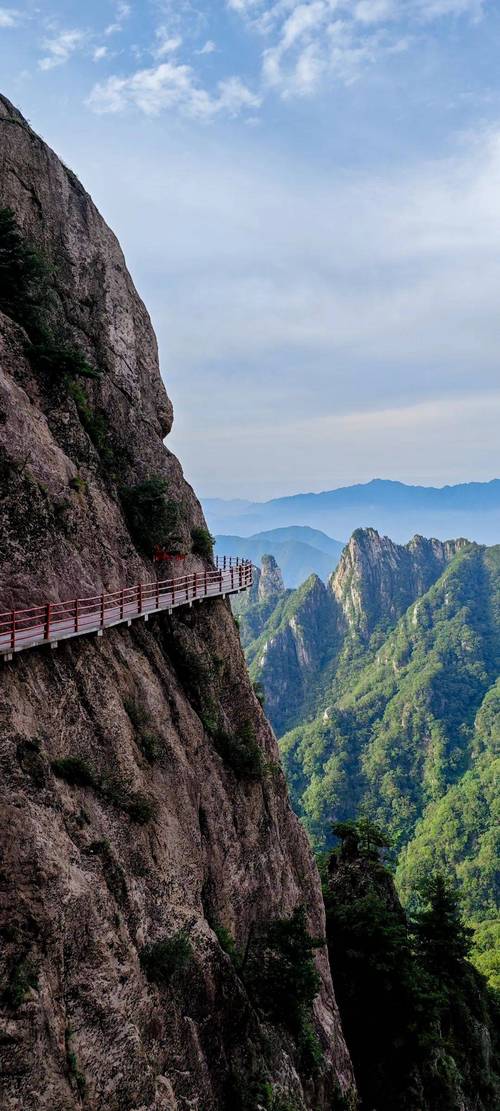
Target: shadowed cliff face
column 155, row 830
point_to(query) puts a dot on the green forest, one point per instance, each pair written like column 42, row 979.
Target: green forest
column 404, row 727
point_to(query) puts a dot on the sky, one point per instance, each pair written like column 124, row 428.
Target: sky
column 308, row 198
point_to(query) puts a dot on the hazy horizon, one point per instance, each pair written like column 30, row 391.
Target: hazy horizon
column 329, row 489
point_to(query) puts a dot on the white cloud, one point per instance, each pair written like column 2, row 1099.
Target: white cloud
column 243, row 7
column 166, row 43
column 60, row 48
column 171, row 85
column 374, row 11
column 9, row 17
column 123, row 11
column 208, row 48
column 437, row 9
column 305, row 41
column 100, row 52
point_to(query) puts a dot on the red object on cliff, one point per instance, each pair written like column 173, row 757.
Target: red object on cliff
column 161, row 556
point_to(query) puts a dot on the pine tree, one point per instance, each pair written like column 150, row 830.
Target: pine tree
column 441, row 939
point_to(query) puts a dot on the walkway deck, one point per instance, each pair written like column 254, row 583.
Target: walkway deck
column 54, row 621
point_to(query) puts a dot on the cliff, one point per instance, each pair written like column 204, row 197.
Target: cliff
column 307, row 648
column 299, row 637
column 271, row 586
column 376, row 580
column 147, row 835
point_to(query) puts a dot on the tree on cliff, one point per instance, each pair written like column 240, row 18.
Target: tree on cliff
column 420, row 1023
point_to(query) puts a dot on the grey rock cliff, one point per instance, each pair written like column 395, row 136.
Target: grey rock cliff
column 376, row 580
column 271, row 585
column 86, row 882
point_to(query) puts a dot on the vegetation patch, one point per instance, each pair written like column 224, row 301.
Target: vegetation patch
column 78, row 483
column 139, row 807
column 240, row 752
column 77, row 1077
column 152, row 518
column 94, row 421
column 74, row 770
column 162, row 960
column 416, row 1015
column 227, row 943
column 281, row 977
column 148, row 741
column 26, row 296
column 23, row 977
column 202, row 542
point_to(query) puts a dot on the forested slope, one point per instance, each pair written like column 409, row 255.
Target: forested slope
column 414, row 742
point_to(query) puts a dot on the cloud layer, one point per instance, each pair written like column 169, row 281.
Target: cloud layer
column 300, row 46
column 320, row 328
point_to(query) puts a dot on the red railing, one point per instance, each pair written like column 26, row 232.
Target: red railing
column 54, row 621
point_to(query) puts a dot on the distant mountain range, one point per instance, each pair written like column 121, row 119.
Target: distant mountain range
column 299, row 550
column 470, row 509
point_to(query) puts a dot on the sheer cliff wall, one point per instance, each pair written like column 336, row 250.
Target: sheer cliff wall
column 160, row 833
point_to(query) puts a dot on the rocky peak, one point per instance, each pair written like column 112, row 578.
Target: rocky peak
column 271, row 585
column 300, row 634
column 376, row 580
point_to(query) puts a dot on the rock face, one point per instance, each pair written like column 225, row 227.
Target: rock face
column 293, row 648
column 299, row 647
column 271, row 586
column 146, row 829
column 377, row 580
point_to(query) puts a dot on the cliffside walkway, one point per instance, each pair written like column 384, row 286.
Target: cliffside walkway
column 54, row 621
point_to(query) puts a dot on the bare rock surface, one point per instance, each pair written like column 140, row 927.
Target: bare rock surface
column 159, row 834
column 378, row 579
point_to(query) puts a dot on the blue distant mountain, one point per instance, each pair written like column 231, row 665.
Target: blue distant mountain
column 298, row 550
column 471, row 509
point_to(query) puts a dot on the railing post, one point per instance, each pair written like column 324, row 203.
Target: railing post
column 239, row 575
column 13, row 631
column 224, row 563
column 195, row 591
column 205, row 584
column 102, row 611
column 232, row 578
column 121, row 603
column 139, row 598
column 76, row 615
column 47, row 621
column 157, row 594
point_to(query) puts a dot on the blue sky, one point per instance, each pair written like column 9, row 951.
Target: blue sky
column 308, row 196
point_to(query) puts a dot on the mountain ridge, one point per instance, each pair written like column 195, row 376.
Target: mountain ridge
column 395, row 508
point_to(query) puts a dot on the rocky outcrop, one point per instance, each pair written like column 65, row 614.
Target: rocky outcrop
column 141, row 797
column 271, row 585
column 291, row 651
column 377, row 580
column 305, row 648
